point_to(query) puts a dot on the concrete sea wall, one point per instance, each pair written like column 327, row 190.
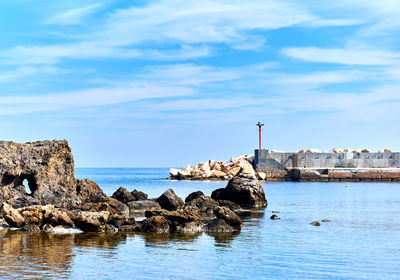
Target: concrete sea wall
column 321, row 166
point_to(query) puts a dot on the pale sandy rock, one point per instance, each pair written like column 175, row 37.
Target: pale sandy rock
column 381, row 151
column 313, row 151
column 336, row 150
column 211, row 163
column 174, row 172
column 203, row 166
column 218, row 166
column 250, row 158
column 246, row 167
column 234, row 160
column 387, row 150
column 218, row 174
column 261, row 175
column 346, row 151
column 208, row 174
column 357, row 151
column 233, row 171
column 301, row 151
column 277, row 151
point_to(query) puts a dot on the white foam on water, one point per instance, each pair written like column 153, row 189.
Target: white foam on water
column 62, row 230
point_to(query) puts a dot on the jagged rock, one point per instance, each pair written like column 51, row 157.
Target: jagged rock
column 12, row 216
column 193, row 195
column 218, row 225
column 155, row 224
column 138, row 195
column 142, row 205
column 48, row 166
column 315, row 223
column 170, row 201
column 244, row 190
column 203, row 204
column 246, row 167
column 274, row 217
column 228, row 215
column 123, row 195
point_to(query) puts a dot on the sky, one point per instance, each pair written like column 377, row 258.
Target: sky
column 174, row 82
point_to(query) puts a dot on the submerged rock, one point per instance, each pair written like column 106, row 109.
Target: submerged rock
column 218, row 225
column 243, row 189
column 315, row 223
column 275, row 217
column 170, row 201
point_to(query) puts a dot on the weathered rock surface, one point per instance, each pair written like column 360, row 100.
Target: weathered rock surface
column 228, row 216
column 275, row 217
column 12, row 216
column 138, row 195
column 170, row 201
column 142, row 205
column 243, row 189
column 200, row 202
column 48, row 167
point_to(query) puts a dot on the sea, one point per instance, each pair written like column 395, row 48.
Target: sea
column 362, row 241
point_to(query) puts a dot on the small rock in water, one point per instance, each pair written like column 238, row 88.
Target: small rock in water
column 275, row 217
column 275, row 212
column 325, row 220
column 315, row 223
column 347, row 186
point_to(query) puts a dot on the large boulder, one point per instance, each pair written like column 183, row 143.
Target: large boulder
column 41, row 215
column 11, row 215
column 243, row 189
column 170, row 201
column 200, row 202
column 123, row 195
column 228, row 216
column 91, row 221
column 47, row 166
column 138, row 195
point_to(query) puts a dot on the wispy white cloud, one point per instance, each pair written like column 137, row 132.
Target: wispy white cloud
column 349, row 56
column 12, row 105
column 73, row 16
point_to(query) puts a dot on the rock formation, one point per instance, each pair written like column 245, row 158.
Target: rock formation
column 47, row 166
column 243, row 189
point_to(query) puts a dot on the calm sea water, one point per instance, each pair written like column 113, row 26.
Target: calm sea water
column 361, row 242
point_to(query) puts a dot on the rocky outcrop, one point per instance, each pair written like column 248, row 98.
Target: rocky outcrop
column 47, row 167
column 243, row 189
column 170, row 201
column 54, row 199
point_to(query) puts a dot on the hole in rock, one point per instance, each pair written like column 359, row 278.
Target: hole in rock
column 26, row 185
column 29, row 182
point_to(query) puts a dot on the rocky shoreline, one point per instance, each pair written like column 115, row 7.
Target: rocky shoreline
column 55, row 200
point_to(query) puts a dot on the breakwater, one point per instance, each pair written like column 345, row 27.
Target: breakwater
column 311, row 165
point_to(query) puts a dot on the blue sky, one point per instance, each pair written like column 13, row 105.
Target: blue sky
column 170, row 83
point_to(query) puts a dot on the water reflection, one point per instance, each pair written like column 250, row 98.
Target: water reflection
column 27, row 255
